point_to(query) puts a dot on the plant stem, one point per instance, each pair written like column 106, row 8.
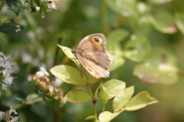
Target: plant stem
column 93, row 101
column 56, row 51
column 103, row 108
column 28, row 102
column 2, row 4
column 104, row 16
column 32, row 25
column 8, row 18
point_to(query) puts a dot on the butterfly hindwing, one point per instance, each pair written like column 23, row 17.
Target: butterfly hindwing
column 93, row 69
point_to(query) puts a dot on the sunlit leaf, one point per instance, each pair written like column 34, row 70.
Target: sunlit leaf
column 69, row 54
column 32, row 97
column 71, row 75
column 139, row 101
column 157, row 74
column 137, row 48
column 114, row 87
column 102, row 94
column 163, row 21
column 159, row 68
column 122, row 99
column 78, row 96
column 180, row 21
column 118, row 61
column 124, row 7
column 9, row 28
column 107, row 116
column 15, row 5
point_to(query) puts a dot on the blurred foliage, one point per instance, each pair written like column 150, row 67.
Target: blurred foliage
column 145, row 38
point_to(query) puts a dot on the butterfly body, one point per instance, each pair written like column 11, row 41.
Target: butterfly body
column 93, row 56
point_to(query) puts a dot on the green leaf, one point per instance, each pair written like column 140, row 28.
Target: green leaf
column 107, row 116
column 9, row 28
column 163, row 21
column 180, row 21
column 102, row 94
column 117, row 35
column 114, row 47
column 158, row 68
column 69, row 54
column 117, row 61
column 143, row 25
column 32, row 97
column 139, row 101
column 124, row 7
column 71, row 75
column 122, row 99
column 157, row 2
column 114, row 87
column 15, row 5
column 90, row 117
column 78, row 96
column 143, row 8
column 137, row 48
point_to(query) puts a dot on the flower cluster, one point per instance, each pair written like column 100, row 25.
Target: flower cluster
column 9, row 116
column 44, row 6
column 50, row 90
column 6, row 69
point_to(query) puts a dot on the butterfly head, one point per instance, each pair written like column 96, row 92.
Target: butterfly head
column 98, row 41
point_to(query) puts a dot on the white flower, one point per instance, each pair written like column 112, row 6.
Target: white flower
column 26, row 57
column 4, row 87
column 14, row 119
column 42, row 72
column 1, row 115
column 30, row 78
column 6, row 69
column 9, row 116
column 12, row 111
column 51, row 4
column 51, row 89
column 57, row 82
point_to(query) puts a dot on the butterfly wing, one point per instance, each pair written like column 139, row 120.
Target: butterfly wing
column 93, row 56
column 94, row 69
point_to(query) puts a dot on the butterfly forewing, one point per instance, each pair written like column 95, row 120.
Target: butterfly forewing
column 93, row 56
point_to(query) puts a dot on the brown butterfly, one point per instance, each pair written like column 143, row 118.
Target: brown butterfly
column 93, row 56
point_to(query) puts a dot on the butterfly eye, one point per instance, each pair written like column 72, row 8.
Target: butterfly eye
column 96, row 39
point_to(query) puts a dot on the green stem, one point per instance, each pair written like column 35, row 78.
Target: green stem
column 28, row 102
column 2, row 4
column 104, row 16
column 32, row 25
column 93, row 101
column 103, row 108
column 8, row 18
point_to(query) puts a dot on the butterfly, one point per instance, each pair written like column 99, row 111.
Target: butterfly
column 93, row 56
